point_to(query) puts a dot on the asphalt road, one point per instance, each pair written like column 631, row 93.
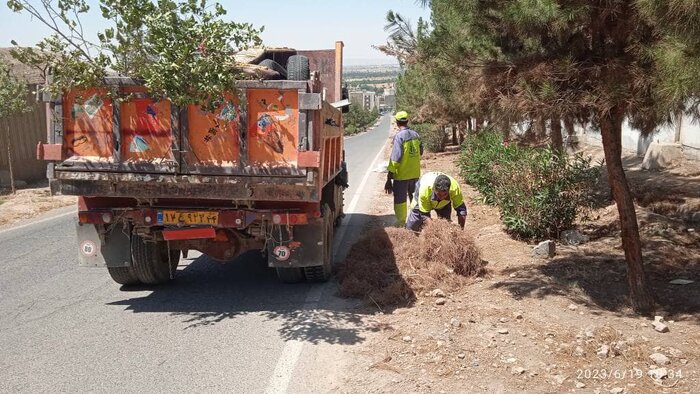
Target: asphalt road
column 217, row 328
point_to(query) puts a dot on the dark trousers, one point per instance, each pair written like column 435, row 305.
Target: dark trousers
column 416, row 218
column 403, row 189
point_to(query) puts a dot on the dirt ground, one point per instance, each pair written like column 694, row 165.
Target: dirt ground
column 29, row 202
column 549, row 325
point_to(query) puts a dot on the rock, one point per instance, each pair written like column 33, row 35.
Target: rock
column 455, row 322
column 572, row 307
column 517, row 370
column 603, row 351
column 503, row 320
column 511, row 360
column 681, row 282
column 461, row 356
column 503, row 331
column 579, row 352
column 659, row 359
column 518, row 315
column 684, row 361
column 440, row 301
column 661, row 155
column 659, row 326
column 658, row 373
column 407, row 338
column 512, row 275
column 545, row 249
column 579, row 385
column 573, row 237
column 560, row 379
column 437, row 293
column 617, row 390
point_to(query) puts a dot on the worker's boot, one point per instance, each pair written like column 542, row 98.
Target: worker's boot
column 400, row 212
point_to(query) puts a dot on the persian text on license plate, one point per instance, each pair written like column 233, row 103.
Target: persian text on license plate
column 183, row 217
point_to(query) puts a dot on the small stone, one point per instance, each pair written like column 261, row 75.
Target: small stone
column 503, row 331
column 560, row 379
column 579, row 352
column 617, row 390
column 518, row 315
column 683, row 361
column 454, row 322
column 544, row 249
column 440, row 301
column 437, row 293
column 573, row 237
column 603, row 351
column 589, row 334
column 503, row 320
column 658, row 373
column 511, row 360
column 659, row 326
column 572, row 307
column 517, row 370
column 659, row 359
column 513, row 275
column 461, row 356
column 579, row 385
column 407, row 338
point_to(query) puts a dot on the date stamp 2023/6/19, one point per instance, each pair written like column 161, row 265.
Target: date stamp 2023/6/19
column 618, row 374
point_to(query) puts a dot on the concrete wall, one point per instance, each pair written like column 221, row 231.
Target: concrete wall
column 633, row 141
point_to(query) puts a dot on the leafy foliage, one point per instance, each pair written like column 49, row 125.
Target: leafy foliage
column 433, row 136
column 539, row 192
column 359, row 119
column 13, row 94
column 182, row 50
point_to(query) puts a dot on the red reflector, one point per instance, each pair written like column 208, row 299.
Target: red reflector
column 189, row 233
column 317, row 214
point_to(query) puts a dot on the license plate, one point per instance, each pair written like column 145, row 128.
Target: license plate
column 184, row 217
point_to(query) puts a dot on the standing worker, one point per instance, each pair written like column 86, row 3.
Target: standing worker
column 404, row 166
column 437, row 192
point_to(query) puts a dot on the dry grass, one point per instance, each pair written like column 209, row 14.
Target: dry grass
column 390, row 265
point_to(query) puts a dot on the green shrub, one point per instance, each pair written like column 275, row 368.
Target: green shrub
column 480, row 154
column 358, row 119
column 539, row 192
column 433, row 137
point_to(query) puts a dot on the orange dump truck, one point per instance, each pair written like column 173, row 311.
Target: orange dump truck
column 263, row 171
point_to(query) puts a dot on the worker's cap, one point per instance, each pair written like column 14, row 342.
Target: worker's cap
column 401, row 116
column 442, row 183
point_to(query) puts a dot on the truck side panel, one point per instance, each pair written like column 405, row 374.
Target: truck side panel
column 87, row 125
column 273, row 127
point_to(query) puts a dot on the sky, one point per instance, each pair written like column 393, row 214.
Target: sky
column 299, row 24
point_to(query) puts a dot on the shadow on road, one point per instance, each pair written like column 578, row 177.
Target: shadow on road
column 206, row 292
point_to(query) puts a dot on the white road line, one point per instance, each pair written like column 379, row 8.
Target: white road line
column 21, row 226
column 279, row 382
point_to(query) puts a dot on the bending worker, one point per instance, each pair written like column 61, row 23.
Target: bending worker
column 437, row 192
column 404, row 166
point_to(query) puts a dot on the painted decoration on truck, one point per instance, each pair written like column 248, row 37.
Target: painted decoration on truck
column 87, row 124
column 214, row 137
column 273, row 127
column 146, row 131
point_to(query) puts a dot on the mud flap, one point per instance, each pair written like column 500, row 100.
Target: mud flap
column 302, row 248
column 115, row 251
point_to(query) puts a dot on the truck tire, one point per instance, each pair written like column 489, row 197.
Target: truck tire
column 298, row 68
column 150, row 262
column 123, row 275
column 290, row 275
column 274, row 66
column 321, row 273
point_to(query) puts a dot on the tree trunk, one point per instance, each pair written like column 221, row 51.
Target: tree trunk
column 540, row 129
column 469, row 126
column 479, row 123
column 9, row 159
column 557, row 140
column 569, row 126
column 454, row 134
column 678, row 120
column 611, row 131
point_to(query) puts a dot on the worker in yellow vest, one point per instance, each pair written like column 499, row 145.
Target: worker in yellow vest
column 404, row 166
column 437, row 192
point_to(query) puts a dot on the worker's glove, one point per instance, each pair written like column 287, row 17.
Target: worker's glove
column 388, row 186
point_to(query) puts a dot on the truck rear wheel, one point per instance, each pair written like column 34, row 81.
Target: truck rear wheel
column 123, row 275
column 290, row 275
column 322, row 273
column 152, row 262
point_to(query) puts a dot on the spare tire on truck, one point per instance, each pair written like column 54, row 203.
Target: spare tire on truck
column 274, row 66
column 298, row 68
